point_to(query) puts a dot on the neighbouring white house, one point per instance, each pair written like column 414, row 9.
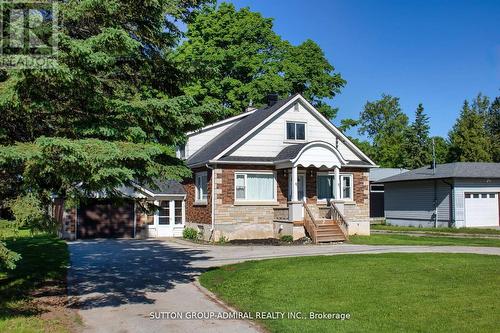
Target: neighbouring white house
column 451, row 195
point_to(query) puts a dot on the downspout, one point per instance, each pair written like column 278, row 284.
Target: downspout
column 452, row 202
column 212, row 229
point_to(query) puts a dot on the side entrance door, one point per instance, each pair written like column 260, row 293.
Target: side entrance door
column 168, row 220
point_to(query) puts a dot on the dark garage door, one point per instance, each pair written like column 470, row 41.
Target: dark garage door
column 106, row 219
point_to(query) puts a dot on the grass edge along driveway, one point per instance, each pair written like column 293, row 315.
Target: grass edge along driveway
column 33, row 295
column 381, row 292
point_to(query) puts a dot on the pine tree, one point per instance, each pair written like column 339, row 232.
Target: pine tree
column 418, row 142
column 469, row 139
column 493, row 128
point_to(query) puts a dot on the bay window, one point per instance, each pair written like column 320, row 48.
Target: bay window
column 255, row 186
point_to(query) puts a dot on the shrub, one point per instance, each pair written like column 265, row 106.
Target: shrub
column 287, row 238
column 222, row 240
column 190, row 233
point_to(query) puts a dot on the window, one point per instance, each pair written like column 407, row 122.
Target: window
column 295, row 131
column 201, row 187
column 181, row 151
column 377, row 188
column 467, row 195
column 164, row 213
column 346, row 186
column 178, row 211
column 255, row 186
column 492, row 195
column 325, row 187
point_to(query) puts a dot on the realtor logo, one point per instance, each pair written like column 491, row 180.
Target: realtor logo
column 28, row 30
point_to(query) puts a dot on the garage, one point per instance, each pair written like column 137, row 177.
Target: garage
column 105, row 218
column 481, row 209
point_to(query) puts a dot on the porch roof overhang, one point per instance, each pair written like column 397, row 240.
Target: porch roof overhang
column 319, row 154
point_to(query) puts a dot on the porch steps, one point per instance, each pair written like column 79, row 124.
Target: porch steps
column 328, row 231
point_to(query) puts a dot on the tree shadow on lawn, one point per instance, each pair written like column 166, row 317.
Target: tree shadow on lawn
column 40, row 272
column 111, row 272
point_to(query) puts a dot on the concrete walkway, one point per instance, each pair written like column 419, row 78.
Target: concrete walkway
column 119, row 283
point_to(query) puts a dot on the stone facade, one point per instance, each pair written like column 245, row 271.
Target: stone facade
column 358, row 213
column 245, row 221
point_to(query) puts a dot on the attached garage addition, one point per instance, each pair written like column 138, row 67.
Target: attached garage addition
column 101, row 217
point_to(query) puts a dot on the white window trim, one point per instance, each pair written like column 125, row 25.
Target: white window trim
column 253, row 172
column 286, row 140
column 351, row 191
column 196, row 191
column 341, row 185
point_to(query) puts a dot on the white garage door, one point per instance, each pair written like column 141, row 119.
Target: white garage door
column 481, row 209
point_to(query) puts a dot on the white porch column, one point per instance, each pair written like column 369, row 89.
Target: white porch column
column 336, row 191
column 295, row 190
column 295, row 210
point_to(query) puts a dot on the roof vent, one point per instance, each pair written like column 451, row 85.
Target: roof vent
column 272, row 99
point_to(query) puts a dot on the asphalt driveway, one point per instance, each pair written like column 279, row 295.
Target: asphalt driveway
column 117, row 284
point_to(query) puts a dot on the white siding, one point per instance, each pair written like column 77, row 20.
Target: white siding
column 202, row 137
column 470, row 185
column 271, row 139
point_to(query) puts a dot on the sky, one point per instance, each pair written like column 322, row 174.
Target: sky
column 438, row 53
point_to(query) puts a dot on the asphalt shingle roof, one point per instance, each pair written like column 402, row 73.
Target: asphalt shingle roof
column 165, row 187
column 225, row 139
column 450, row 170
column 381, row 173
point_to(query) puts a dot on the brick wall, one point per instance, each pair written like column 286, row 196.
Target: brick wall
column 198, row 213
column 360, row 212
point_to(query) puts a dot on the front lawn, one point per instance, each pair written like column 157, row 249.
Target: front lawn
column 390, row 239
column 437, row 230
column 32, row 296
column 382, row 293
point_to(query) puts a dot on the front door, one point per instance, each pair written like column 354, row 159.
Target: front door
column 168, row 220
column 301, row 184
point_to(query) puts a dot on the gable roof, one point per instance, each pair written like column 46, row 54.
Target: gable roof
column 226, row 140
column 450, row 170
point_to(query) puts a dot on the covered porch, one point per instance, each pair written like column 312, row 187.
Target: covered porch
column 316, row 189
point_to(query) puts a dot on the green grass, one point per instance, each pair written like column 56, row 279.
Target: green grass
column 44, row 261
column 389, row 239
column 439, row 230
column 383, row 292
